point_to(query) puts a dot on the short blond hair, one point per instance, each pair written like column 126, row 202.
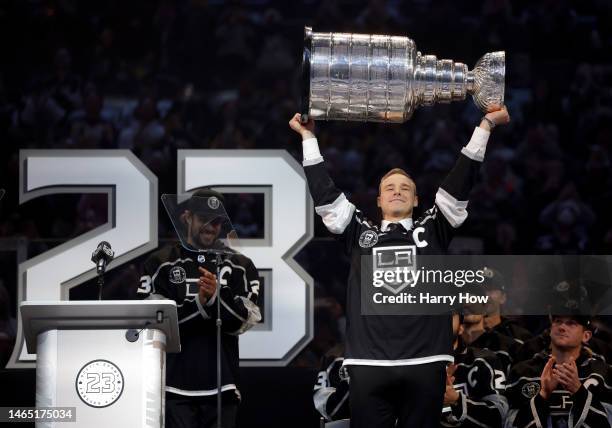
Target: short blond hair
column 393, row 172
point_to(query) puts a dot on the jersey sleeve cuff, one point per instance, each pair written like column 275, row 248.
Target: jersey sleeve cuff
column 212, row 299
column 201, row 308
column 459, row 409
column 310, row 148
column 477, row 146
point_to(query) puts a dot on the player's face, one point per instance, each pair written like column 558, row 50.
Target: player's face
column 202, row 231
column 473, row 313
column 496, row 299
column 567, row 333
column 473, row 318
column 397, row 197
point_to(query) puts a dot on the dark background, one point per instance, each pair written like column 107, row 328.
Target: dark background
column 157, row 76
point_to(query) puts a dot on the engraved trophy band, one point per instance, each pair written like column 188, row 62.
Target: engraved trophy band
column 378, row 78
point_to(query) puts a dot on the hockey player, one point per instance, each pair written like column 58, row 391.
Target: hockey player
column 598, row 348
column 332, row 388
column 188, row 278
column 475, row 385
column 476, row 335
column 565, row 295
column 565, row 387
column 496, row 291
column 396, row 364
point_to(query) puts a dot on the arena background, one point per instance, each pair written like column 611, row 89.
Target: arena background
column 225, row 75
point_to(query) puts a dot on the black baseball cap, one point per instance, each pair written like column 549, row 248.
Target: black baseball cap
column 493, row 279
column 206, row 202
column 570, row 299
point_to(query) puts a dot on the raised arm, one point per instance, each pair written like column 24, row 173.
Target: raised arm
column 338, row 214
column 453, row 194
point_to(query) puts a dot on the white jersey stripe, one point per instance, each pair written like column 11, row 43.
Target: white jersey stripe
column 455, row 211
column 188, row 393
column 337, row 215
column 391, row 363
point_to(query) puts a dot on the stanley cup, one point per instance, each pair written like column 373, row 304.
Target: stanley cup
column 374, row 78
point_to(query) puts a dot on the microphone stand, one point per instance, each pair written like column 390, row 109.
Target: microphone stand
column 218, row 324
column 101, row 268
column 100, row 284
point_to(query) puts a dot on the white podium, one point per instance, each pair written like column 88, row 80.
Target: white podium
column 89, row 358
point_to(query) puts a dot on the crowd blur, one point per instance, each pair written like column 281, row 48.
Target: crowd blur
column 157, row 76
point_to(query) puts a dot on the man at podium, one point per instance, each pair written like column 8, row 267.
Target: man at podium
column 186, row 273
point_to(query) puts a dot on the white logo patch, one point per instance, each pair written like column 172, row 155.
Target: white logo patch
column 368, row 239
column 213, row 202
column 201, row 258
column 177, row 275
column 99, row 383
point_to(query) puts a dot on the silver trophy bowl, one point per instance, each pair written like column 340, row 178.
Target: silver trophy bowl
column 375, row 78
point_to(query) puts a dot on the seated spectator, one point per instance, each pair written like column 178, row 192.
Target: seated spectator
column 567, row 296
column 596, row 347
column 91, row 131
column 146, row 133
column 565, row 387
column 474, row 386
column 331, row 391
column 493, row 321
column 476, row 335
column 570, row 219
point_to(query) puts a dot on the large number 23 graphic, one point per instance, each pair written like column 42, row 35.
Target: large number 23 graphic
column 132, row 230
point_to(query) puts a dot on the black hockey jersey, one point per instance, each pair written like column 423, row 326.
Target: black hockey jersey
column 480, row 381
column 591, row 406
column 172, row 273
column 509, row 328
column 331, row 390
column 503, row 346
column 393, row 340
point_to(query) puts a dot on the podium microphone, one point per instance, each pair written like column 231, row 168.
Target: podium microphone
column 102, row 256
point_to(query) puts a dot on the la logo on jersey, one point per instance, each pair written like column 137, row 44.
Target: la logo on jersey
column 393, row 265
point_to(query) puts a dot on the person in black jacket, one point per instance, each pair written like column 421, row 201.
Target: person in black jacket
column 396, row 364
column 475, row 334
column 187, row 277
column 495, row 287
column 331, row 391
column 566, row 387
column 474, row 386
